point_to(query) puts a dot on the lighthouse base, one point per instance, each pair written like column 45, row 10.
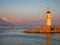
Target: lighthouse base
column 44, row 29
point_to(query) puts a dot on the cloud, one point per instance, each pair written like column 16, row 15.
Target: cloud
column 15, row 20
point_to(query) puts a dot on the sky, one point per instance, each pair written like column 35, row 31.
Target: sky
column 29, row 11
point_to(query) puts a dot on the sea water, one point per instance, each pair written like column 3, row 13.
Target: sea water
column 17, row 37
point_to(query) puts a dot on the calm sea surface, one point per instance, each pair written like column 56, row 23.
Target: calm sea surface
column 16, row 37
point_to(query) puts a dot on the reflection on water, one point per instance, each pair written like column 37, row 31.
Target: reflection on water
column 49, row 36
column 15, row 37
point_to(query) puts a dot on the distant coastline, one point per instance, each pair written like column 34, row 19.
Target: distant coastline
column 13, row 27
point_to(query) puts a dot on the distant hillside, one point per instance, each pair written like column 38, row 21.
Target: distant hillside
column 4, row 23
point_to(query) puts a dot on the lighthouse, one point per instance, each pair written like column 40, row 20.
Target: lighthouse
column 48, row 18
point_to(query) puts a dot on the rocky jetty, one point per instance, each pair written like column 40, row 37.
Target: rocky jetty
column 44, row 29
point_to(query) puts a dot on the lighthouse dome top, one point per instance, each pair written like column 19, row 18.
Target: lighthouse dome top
column 48, row 12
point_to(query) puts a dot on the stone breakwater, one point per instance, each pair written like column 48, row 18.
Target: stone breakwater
column 44, row 29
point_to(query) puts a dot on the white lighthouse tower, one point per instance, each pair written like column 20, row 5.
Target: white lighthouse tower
column 48, row 18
